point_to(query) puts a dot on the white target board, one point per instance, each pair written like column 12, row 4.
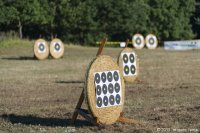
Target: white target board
column 41, row 47
column 108, row 88
column 138, row 41
column 151, row 41
column 129, row 63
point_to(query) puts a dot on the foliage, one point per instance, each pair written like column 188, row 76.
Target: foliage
column 87, row 21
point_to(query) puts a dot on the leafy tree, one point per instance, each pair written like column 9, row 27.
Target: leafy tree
column 171, row 19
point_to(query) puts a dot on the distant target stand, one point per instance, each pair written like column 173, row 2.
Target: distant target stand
column 129, row 63
column 151, row 41
column 42, row 49
column 56, row 48
column 104, row 92
column 138, row 41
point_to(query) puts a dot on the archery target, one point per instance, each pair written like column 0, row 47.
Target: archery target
column 104, row 89
column 138, row 41
column 56, row 48
column 129, row 64
column 41, row 49
column 151, row 41
column 108, row 89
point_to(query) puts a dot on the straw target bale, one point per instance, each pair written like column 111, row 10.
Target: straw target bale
column 41, row 49
column 56, row 48
column 129, row 64
column 151, row 41
column 138, row 41
column 104, row 89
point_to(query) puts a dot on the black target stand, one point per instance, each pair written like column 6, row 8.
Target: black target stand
column 86, row 114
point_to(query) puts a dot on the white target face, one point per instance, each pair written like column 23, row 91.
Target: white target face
column 108, row 88
column 138, row 41
column 41, row 47
column 151, row 41
column 57, row 46
column 129, row 63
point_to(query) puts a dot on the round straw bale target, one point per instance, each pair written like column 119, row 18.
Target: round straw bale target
column 138, row 41
column 56, row 48
column 151, row 41
column 129, row 64
column 104, row 89
column 41, row 49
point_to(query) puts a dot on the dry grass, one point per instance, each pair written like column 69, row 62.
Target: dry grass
column 39, row 96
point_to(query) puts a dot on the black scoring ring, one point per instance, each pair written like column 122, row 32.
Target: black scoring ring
column 110, row 88
column 117, row 99
column 125, row 58
column 99, row 101
column 126, row 70
column 97, row 78
column 98, row 90
column 112, row 100
column 151, row 41
column 103, row 77
column 116, row 76
column 104, row 88
column 41, row 47
column 105, row 100
column 138, row 41
column 132, row 58
column 109, row 76
column 117, row 87
column 57, row 46
column 133, row 69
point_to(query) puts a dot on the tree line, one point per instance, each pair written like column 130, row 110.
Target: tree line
column 86, row 21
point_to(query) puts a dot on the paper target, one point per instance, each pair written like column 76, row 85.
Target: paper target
column 129, row 64
column 138, row 41
column 41, row 49
column 56, row 48
column 107, row 88
column 151, row 41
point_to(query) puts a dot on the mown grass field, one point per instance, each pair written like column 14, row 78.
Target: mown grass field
column 40, row 96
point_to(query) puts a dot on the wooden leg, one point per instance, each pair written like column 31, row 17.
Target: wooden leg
column 123, row 119
column 81, row 99
column 138, row 80
column 87, row 116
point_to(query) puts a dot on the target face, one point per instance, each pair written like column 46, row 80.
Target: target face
column 129, row 63
column 41, row 49
column 138, row 41
column 56, row 48
column 151, row 41
column 108, row 88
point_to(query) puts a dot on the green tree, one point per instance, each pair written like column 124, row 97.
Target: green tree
column 171, row 19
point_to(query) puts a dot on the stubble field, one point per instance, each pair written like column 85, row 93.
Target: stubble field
column 40, row 96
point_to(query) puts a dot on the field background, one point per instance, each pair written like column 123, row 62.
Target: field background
column 40, row 96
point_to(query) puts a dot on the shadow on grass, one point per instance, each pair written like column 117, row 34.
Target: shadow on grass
column 70, row 82
column 19, row 58
column 33, row 120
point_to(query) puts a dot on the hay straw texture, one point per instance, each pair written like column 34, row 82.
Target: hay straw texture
column 38, row 54
column 56, row 53
column 134, row 41
column 120, row 63
column 107, row 115
column 147, row 41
